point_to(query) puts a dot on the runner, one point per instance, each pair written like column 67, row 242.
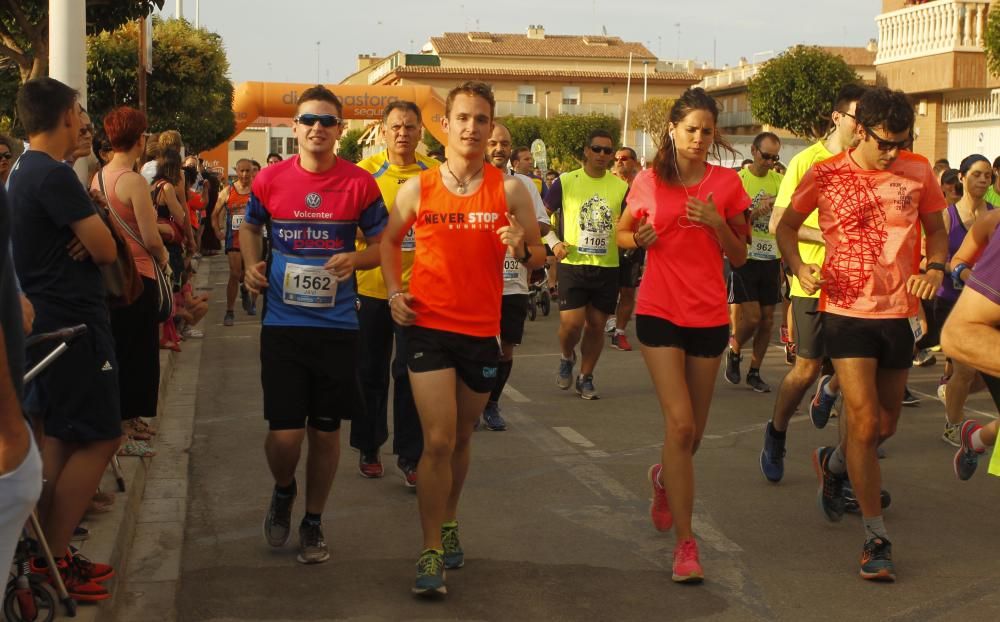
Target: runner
column 962, row 379
column 273, row 158
column 228, row 216
column 464, row 214
column 401, row 123
column 591, row 201
column 993, row 192
column 808, row 335
column 523, row 163
column 313, row 203
column 872, row 200
column 756, row 285
column 625, row 168
column 971, row 336
column 686, row 212
column 514, row 308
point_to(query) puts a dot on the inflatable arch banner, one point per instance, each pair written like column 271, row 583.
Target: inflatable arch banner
column 278, row 99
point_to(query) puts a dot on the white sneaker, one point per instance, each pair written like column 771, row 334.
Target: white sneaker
column 610, row 325
column 192, row 333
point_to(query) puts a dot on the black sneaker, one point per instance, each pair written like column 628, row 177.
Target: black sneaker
column 409, row 470
column 278, row 521
column 312, row 546
column 756, row 383
column 830, row 496
column 733, row 374
column 910, row 399
column 245, row 298
column 876, row 560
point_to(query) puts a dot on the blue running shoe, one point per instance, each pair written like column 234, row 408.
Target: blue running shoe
column 772, row 457
column 876, row 561
column 430, row 574
column 492, row 418
column 821, row 404
column 830, row 496
column 454, row 556
column 966, row 458
column 565, row 378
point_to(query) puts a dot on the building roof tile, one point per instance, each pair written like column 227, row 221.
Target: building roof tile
column 561, row 46
column 504, row 72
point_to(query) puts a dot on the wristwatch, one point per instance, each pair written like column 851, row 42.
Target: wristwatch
column 935, row 265
column 527, row 255
column 956, row 275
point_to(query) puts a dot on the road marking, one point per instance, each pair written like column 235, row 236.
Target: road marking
column 526, row 356
column 573, row 436
column 515, row 395
column 598, row 453
column 971, row 410
column 750, row 428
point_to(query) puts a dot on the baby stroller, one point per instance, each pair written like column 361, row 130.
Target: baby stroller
column 28, row 596
column 538, row 293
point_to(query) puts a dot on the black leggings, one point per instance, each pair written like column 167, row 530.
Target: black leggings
column 137, row 348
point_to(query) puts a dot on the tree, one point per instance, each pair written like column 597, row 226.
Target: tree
column 524, row 130
column 566, row 135
column 795, row 90
column 433, row 144
column 188, row 90
column 653, row 116
column 992, row 40
column 349, row 149
column 24, row 28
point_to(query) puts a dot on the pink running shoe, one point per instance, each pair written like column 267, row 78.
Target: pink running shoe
column 687, row 568
column 659, row 508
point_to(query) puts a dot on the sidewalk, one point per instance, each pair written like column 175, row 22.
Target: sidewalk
column 141, row 536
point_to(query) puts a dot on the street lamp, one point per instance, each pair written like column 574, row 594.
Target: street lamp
column 317, row 63
column 547, row 104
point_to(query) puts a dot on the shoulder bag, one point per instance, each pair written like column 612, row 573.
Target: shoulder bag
column 122, row 282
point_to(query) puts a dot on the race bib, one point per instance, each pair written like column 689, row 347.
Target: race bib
column 410, row 241
column 915, row 327
column 514, row 270
column 591, row 243
column 763, row 245
column 309, row 286
column 236, row 221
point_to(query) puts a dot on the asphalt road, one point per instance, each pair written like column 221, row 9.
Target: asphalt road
column 555, row 513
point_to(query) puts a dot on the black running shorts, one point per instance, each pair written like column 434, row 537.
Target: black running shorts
column 630, row 267
column 474, row 359
column 309, row 375
column 889, row 341
column 657, row 332
column 580, row 286
column 756, row 281
column 513, row 313
column 808, row 328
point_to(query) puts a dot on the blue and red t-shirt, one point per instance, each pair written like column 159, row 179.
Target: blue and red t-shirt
column 313, row 216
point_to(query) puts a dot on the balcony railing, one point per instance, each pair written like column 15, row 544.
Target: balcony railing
column 614, row 110
column 738, row 118
column 932, row 28
column 516, row 109
column 986, row 108
column 737, row 75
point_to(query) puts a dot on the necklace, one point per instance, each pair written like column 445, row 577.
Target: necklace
column 463, row 183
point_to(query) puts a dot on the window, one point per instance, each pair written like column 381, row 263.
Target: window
column 526, row 94
column 606, row 90
column 241, row 145
column 276, row 145
column 291, row 145
column 571, row 95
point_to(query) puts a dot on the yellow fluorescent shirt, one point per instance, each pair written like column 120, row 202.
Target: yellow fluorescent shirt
column 763, row 246
column 389, row 178
column 811, row 252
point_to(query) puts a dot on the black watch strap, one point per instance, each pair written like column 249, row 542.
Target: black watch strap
column 936, row 265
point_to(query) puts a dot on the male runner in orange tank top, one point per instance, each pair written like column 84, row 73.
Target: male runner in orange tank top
column 465, row 214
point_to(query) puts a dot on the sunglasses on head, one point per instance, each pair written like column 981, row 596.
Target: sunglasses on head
column 604, row 150
column 326, row 120
column 886, row 145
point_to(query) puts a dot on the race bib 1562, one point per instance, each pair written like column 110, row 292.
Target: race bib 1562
column 309, row 286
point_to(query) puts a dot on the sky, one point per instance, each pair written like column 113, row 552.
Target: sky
column 279, row 43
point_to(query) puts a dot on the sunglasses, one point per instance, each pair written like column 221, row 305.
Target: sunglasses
column 886, row 145
column 326, row 120
column 604, row 150
column 773, row 157
column 623, row 159
column 6, row 155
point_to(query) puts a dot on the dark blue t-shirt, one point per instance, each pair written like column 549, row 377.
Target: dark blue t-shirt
column 46, row 198
column 10, row 301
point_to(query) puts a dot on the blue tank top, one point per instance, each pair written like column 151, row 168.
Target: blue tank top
column 956, row 234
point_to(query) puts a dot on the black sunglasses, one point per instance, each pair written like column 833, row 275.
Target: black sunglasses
column 326, row 120
column 887, row 145
column 6, row 155
column 773, row 157
column 604, row 150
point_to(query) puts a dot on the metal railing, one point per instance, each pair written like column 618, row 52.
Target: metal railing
column 614, row 110
column 517, row 109
column 738, row 118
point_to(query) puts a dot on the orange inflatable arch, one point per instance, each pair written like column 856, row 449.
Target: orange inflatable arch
column 278, row 99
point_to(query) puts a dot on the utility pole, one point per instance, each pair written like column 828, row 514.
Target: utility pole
column 317, row 63
column 179, row 9
column 197, row 13
column 141, row 73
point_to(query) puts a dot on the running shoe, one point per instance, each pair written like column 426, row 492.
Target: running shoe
column 822, row 403
column 772, row 457
column 952, row 434
column 659, row 508
column 785, row 337
column 89, row 570
column 610, row 325
column 245, row 298
column 278, row 521
column 733, row 374
column 312, row 546
column 491, row 417
column 430, row 574
column 191, row 332
column 967, row 458
column 687, row 568
column 80, row 589
column 229, row 318
column 409, row 470
column 924, row 358
column 370, row 465
column 620, row 342
column 909, row 399
column 585, row 387
column 790, row 353
column 565, row 378
column 80, row 533
column 851, row 501
column 253, row 308
column 756, row 382
column 942, row 390
column 454, row 556
column 876, row 560
column 830, row 495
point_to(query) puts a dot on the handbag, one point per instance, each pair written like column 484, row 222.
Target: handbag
column 164, row 291
column 177, row 232
column 122, row 282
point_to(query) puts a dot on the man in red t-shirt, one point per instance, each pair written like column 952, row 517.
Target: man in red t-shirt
column 872, row 202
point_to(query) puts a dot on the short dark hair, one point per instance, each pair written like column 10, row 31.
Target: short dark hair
column 472, row 88
column 631, row 152
column 256, row 163
column 273, row 155
column 950, row 176
column 881, row 106
column 515, row 155
column 401, row 104
column 320, row 93
column 41, row 102
column 599, row 133
column 848, row 93
column 746, row 161
column 759, row 138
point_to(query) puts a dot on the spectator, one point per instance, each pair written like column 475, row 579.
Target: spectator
column 149, row 155
column 171, row 216
column 951, row 185
column 134, row 326
column 940, row 166
column 60, row 243
column 273, row 158
column 9, row 149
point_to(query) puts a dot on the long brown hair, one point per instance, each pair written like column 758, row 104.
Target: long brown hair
column 665, row 164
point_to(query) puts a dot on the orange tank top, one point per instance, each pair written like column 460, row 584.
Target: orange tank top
column 457, row 280
column 143, row 262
